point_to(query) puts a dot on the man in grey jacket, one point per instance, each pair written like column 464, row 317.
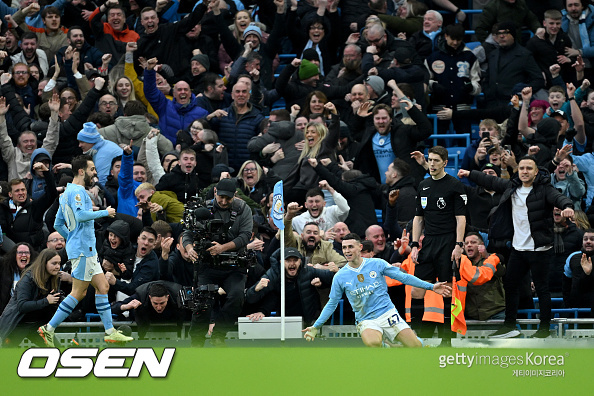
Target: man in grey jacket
column 218, row 264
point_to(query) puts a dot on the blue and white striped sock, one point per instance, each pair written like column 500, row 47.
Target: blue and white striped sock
column 104, row 310
column 64, row 310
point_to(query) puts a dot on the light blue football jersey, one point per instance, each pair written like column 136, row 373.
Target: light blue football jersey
column 74, row 221
column 366, row 289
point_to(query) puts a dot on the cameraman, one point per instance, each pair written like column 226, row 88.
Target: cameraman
column 236, row 233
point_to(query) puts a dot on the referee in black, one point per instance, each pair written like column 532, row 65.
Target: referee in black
column 441, row 208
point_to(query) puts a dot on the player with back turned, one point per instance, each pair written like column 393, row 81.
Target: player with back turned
column 441, row 208
column 75, row 222
column 363, row 280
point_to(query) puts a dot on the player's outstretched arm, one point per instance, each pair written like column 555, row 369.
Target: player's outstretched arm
column 310, row 333
column 443, row 289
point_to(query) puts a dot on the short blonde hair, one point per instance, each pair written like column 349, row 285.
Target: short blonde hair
column 143, row 187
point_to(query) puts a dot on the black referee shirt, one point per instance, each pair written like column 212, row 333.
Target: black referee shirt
column 439, row 202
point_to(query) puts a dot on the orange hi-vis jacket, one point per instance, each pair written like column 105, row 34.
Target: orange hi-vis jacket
column 469, row 274
column 433, row 301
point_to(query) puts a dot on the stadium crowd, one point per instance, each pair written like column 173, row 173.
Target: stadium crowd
column 176, row 99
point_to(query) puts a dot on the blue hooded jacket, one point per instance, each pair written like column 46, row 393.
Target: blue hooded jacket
column 37, row 186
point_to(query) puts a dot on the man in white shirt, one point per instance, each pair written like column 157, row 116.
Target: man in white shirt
column 317, row 212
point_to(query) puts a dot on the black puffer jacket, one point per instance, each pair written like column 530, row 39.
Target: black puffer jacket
column 310, row 299
column 540, row 202
column 184, row 185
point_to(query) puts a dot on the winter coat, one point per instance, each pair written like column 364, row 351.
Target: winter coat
column 146, row 271
column 406, row 203
column 497, row 11
column 19, row 163
column 508, row 67
column 165, row 41
column 36, row 187
column 179, row 270
column 327, row 150
column 487, row 299
column 267, row 50
column 269, row 297
column 284, row 133
column 404, row 140
column 184, row 185
column 323, row 253
column 452, row 69
column 540, row 202
column 108, row 40
column 586, row 31
column 88, row 54
column 124, row 253
column 174, row 209
column 133, row 128
column 235, row 131
column 104, row 152
column 51, row 44
column 27, row 225
column 172, row 115
column 69, row 129
column 27, row 298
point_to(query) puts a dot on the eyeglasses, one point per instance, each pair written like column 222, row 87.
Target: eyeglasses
column 503, row 33
column 316, row 27
column 107, row 103
column 23, row 253
column 249, row 170
column 21, row 72
column 376, row 41
column 54, row 240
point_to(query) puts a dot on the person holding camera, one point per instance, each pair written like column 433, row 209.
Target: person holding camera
column 34, row 302
column 235, row 234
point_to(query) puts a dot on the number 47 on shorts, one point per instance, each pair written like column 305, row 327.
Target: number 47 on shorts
column 394, row 319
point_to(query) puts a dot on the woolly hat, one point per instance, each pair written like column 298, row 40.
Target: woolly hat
column 510, row 26
column 203, row 60
column 376, row 83
column 311, row 55
column 172, row 152
column 252, row 29
column 89, row 133
column 218, row 169
column 166, row 71
column 548, row 129
column 540, row 103
column 344, row 130
column 491, row 166
column 307, row 70
column 404, row 55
